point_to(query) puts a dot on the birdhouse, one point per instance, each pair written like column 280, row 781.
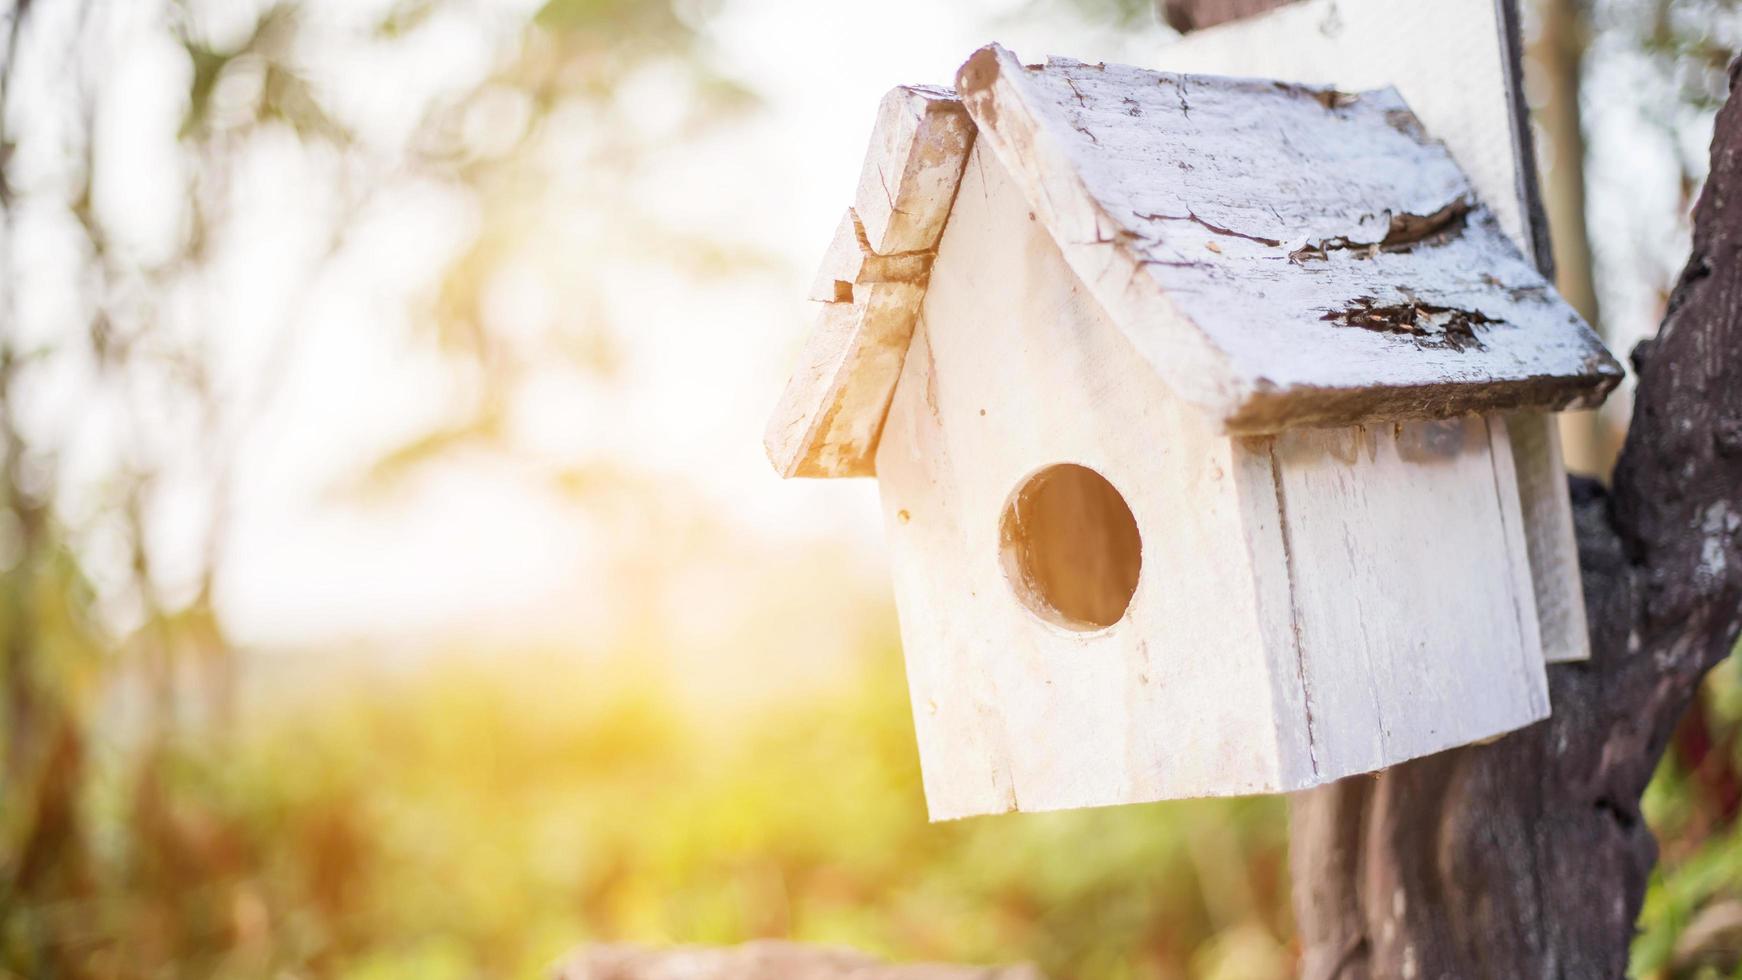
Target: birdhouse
column 1194, row 404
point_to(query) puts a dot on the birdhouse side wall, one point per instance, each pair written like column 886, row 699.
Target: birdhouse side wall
column 1397, row 557
column 1014, row 368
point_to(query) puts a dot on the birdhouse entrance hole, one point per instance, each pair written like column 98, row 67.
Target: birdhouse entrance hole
column 1070, row 547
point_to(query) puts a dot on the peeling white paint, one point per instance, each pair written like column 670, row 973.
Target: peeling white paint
column 1717, row 526
column 1136, row 173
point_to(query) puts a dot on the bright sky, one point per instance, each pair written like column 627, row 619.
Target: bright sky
column 476, row 550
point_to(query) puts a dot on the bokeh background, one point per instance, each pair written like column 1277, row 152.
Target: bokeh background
column 391, row 584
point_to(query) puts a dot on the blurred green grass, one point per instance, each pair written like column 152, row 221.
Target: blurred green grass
column 1692, row 806
column 479, row 818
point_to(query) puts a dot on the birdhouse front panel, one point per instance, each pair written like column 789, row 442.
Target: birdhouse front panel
column 1024, row 436
column 1187, row 400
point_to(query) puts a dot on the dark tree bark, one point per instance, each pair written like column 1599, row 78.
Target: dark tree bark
column 1528, row 857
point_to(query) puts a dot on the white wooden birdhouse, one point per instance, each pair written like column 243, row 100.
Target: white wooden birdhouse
column 1206, row 415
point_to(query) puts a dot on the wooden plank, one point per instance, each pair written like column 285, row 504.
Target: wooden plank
column 912, row 168
column 1550, row 536
column 1415, row 633
column 1516, row 530
column 1282, row 256
column 1272, row 574
column 872, row 277
column 828, row 419
column 849, row 264
column 1455, row 62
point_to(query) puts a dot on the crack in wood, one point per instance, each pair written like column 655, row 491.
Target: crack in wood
column 1212, row 226
column 1306, row 695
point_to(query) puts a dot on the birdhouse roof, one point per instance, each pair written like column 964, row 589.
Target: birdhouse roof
column 1280, row 255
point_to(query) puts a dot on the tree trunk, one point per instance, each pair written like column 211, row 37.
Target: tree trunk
column 1559, row 53
column 1528, row 857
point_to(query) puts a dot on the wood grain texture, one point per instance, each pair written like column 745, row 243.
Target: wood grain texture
column 871, row 279
column 1454, row 62
column 1529, row 857
column 1266, row 646
column 911, row 169
column 830, row 415
column 1392, row 674
column 1548, row 528
column 1282, row 256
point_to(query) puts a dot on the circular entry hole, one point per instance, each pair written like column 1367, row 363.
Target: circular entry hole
column 1070, row 547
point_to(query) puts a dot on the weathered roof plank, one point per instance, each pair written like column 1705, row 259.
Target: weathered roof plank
column 1284, row 256
column 871, row 281
column 912, row 167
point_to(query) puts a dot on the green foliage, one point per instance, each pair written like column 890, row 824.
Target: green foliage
column 1692, row 806
column 477, row 821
